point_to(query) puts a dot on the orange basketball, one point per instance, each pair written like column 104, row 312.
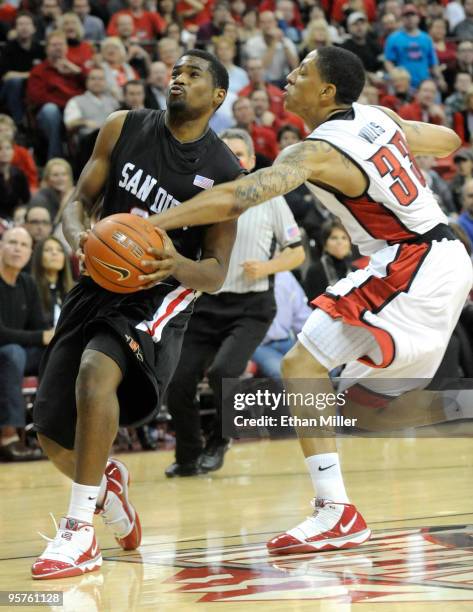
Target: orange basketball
column 115, row 248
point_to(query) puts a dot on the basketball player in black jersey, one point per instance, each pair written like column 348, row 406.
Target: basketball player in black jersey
column 113, row 355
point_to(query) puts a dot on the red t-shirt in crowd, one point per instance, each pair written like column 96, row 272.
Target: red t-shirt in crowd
column 81, row 55
column 46, row 84
column 23, row 160
column 414, row 112
column 147, row 27
column 264, row 141
column 276, row 97
column 197, row 19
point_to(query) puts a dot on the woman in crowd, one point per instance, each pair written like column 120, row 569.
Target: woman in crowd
column 446, row 49
column 56, row 187
column 117, row 70
column 80, row 52
column 14, row 188
column 335, row 262
column 317, row 35
column 51, row 270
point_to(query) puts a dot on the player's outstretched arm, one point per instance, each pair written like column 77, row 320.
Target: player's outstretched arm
column 91, row 181
column 426, row 138
column 294, row 166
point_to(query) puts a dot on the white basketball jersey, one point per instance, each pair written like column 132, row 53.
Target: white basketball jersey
column 397, row 205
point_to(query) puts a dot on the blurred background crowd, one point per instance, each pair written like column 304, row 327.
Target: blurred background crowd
column 66, row 65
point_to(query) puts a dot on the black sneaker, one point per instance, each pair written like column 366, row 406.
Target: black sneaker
column 213, row 454
column 192, row 468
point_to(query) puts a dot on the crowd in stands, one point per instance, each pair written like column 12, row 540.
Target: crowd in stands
column 65, row 65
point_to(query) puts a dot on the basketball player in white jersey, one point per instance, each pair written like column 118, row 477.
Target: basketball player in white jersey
column 392, row 320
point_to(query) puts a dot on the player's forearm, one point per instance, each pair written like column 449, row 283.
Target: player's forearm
column 73, row 222
column 206, row 275
column 212, row 206
column 429, row 139
column 288, row 259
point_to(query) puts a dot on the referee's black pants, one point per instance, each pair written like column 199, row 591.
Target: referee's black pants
column 222, row 335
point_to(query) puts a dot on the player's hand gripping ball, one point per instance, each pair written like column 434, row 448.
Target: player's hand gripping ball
column 115, row 249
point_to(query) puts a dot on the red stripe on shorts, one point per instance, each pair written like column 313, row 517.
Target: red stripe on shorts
column 373, row 295
column 169, row 310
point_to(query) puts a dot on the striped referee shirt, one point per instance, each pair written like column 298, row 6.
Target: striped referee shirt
column 261, row 229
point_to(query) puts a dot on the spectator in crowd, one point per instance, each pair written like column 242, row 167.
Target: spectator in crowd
column 18, row 58
column 51, row 270
column 462, row 121
column 133, row 95
column 289, row 20
column 80, row 52
column 47, row 20
column 399, row 90
column 19, row 215
column 23, row 334
column 464, row 162
column 264, row 139
column 362, row 44
column 464, row 63
column 194, row 13
column 446, row 49
column 424, row 107
column 225, row 51
column 229, row 325
column 137, row 56
column 464, row 30
column 455, row 103
column 255, row 70
column 93, row 26
column 292, row 312
column 38, row 223
column 13, row 183
column 454, row 13
column 168, row 52
column 231, row 32
column 214, row 27
column 148, row 25
column 22, row 158
column 278, row 53
column 156, row 86
column 167, row 10
column 116, row 68
column 50, row 86
column 84, row 115
column 440, row 188
column 56, row 187
column 388, row 25
column 249, row 24
column 465, row 220
column 412, row 49
column 316, row 35
column 263, row 115
column 340, row 8
column 335, row 262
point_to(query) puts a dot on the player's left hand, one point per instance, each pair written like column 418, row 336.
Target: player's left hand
column 164, row 263
column 253, row 270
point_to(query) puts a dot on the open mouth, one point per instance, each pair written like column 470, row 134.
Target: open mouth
column 175, row 90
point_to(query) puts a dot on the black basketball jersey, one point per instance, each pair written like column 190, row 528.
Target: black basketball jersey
column 151, row 171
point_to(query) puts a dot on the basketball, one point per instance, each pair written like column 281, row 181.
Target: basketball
column 115, row 248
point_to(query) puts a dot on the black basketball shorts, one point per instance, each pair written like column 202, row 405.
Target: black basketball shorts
column 142, row 333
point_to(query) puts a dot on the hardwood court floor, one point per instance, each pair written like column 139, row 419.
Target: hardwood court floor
column 203, row 546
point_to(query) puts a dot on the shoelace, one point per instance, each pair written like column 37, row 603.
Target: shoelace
column 57, row 542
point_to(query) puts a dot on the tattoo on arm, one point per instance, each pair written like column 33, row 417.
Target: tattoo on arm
column 291, row 169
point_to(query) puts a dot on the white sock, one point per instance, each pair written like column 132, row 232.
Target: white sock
column 102, row 492
column 327, row 477
column 83, row 501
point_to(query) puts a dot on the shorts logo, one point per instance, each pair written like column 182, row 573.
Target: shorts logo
column 123, row 273
column 135, row 347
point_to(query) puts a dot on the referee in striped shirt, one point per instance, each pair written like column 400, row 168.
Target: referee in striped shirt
column 226, row 327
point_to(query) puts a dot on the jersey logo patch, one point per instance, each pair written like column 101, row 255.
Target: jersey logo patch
column 202, row 181
column 123, row 273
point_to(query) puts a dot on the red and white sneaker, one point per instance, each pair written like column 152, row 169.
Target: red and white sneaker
column 74, row 551
column 117, row 512
column 332, row 526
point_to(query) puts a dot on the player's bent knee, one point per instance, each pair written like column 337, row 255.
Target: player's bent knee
column 98, row 375
column 299, row 363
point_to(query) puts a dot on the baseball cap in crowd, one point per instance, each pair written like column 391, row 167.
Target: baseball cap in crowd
column 356, row 16
column 410, row 9
column 462, row 155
